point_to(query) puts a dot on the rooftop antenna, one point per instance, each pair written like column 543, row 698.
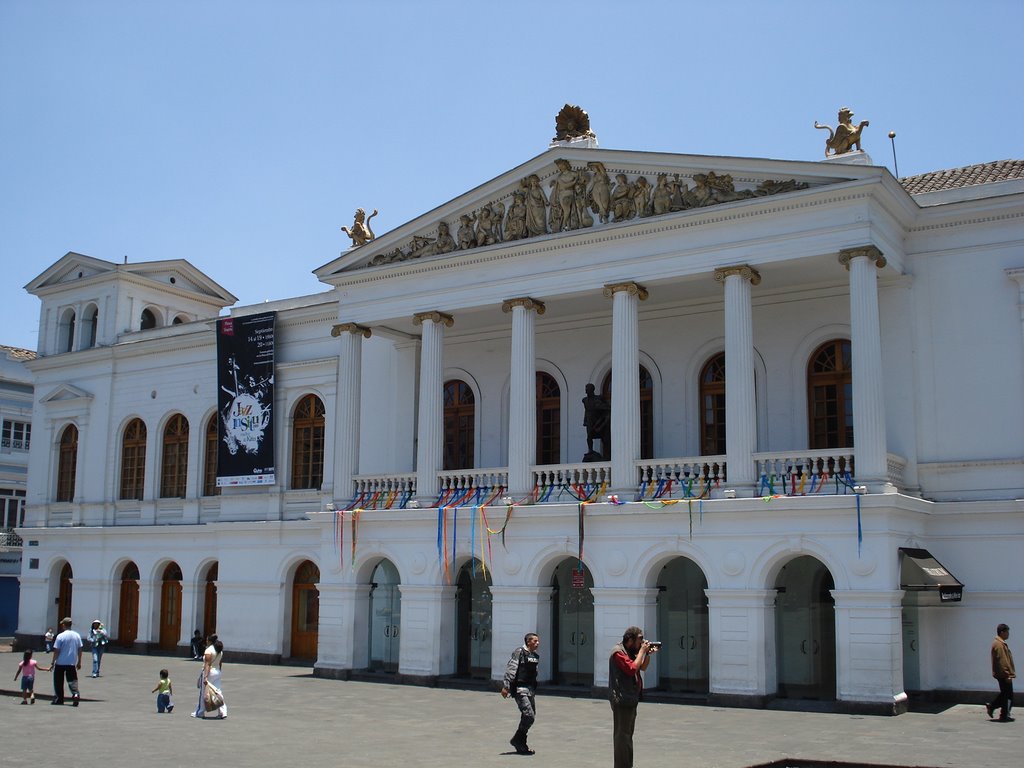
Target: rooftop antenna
column 892, row 139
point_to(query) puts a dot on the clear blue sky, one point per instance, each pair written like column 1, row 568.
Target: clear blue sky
column 241, row 134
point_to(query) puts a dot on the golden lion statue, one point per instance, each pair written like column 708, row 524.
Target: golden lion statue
column 846, row 136
column 360, row 233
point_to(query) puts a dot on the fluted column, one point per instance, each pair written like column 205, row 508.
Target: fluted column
column 346, row 430
column 740, row 410
column 626, row 298
column 430, row 424
column 869, row 449
column 522, row 401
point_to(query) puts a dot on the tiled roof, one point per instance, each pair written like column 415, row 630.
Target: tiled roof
column 17, row 353
column 968, row 176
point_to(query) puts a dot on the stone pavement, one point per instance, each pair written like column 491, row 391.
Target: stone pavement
column 282, row 716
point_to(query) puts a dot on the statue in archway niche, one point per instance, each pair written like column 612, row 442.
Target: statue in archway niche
column 597, row 418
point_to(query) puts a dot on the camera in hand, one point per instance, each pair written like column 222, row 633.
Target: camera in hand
column 655, row 645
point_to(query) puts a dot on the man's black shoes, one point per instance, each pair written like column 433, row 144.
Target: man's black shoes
column 521, row 748
column 990, row 709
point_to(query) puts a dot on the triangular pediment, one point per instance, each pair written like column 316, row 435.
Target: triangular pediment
column 567, row 191
column 65, row 393
column 176, row 275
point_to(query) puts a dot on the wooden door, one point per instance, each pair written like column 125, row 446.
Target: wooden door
column 305, row 611
column 170, row 608
column 64, row 592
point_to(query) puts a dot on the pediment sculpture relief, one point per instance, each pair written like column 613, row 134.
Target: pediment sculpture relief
column 579, row 198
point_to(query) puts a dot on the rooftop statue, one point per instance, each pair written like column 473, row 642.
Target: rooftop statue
column 360, row 233
column 846, row 136
column 572, row 123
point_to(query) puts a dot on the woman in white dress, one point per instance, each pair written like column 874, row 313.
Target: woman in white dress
column 212, row 674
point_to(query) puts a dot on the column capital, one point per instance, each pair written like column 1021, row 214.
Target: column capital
column 354, row 328
column 846, row 255
column 633, row 289
column 435, row 316
column 524, row 301
column 743, row 270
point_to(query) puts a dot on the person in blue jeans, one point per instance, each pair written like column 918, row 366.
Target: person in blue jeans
column 163, row 692
column 67, row 660
column 99, row 639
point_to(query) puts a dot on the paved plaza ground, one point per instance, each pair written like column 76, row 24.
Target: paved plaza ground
column 283, row 716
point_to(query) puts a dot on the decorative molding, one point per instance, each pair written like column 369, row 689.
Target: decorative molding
column 846, row 255
column 585, row 238
column 435, row 316
column 354, row 328
column 526, row 302
column 633, row 289
column 743, row 270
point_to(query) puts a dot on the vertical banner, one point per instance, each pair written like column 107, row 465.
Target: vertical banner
column 245, row 400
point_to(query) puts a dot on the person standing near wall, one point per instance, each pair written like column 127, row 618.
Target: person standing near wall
column 521, row 682
column 625, row 685
column 67, row 660
column 1004, row 672
column 99, row 639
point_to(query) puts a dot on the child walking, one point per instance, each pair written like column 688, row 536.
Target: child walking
column 27, row 669
column 163, row 692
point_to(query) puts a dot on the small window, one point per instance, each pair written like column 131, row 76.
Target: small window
column 459, row 425
column 712, row 406
column 17, row 435
column 67, row 463
column 133, row 460
column 148, row 320
column 830, row 396
column 175, row 458
column 549, row 419
column 308, row 443
column 210, row 459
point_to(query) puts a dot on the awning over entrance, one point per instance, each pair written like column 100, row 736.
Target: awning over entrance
column 919, row 571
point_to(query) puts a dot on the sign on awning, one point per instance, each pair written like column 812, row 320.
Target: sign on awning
column 919, row 572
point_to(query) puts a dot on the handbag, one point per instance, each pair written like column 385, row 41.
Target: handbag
column 212, row 697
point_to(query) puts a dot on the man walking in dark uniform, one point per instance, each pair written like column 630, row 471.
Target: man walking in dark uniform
column 521, row 682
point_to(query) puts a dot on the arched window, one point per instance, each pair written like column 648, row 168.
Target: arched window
column 65, row 590
column 549, row 419
column 66, row 331
column 179, row 319
column 459, row 425
column 308, row 443
column 210, row 459
column 148, row 320
column 67, row 463
column 712, row 406
column 646, row 409
column 91, row 321
column 830, row 396
column 133, row 460
column 175, row 458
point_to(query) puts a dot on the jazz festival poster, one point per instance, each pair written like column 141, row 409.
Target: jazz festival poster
column 245, row 400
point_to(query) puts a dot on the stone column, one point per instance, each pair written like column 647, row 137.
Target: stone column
column 740, row 407
column 616, row 608
column 869, row 649
column 343, row 628
column 427, row 646
column 346, row 430
column 522, row 401
column 626, row 298
column 430, row 424
column 869, row 450
column 741, row 628
column 514, row 612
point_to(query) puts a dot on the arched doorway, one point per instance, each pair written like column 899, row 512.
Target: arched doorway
column 128, row 606
column 572, row 623
column 459, row 425
column 473, row 622
column 805, row 630
column 385, row 617
column 64, row 590
column 305, row 611
column 170, row 607
column 210, row 601
column 683, row 662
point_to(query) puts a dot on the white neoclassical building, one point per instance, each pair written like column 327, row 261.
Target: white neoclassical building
column 804, row 455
